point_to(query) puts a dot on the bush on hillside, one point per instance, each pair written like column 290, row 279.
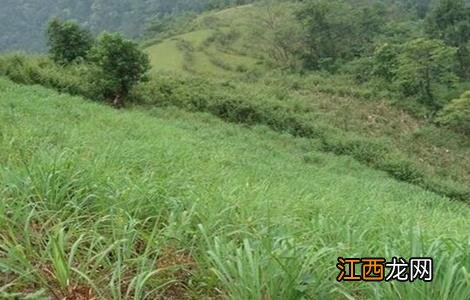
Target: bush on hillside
column 371, row 152
column 386, row 61
column 404, row 170
column 75, row 79
column 338, row 32
column 456, row 114
column 116, row 65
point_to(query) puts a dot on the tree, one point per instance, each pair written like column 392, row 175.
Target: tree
column 423, row 65
column 122, row 64
column 274, row 31
column 335, row 31
column 329, row 32
column 456, row 114
column 67, row 41
column 450, row 22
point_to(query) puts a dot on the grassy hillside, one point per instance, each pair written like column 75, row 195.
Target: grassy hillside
column 192, row 53
column 223, row 47
column 198, row 51
column 166, row 204
column 218, row 63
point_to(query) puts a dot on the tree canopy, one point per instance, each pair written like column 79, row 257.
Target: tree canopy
column 457, row 114
column 450, row 22
column 422, row 66
column 121, row 63
column 67, row 41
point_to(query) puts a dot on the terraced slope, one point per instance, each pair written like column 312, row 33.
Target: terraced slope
column 165, row 204
column 197, row 52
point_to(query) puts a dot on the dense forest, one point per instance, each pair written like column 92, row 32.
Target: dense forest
column 22, row 22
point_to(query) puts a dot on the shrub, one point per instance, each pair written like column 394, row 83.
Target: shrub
column 72, row 79
column 371, row 152
column 241, row 69
column 19, row 69
column 360, row 69
column 386, row 61
column 403, row 169
column 456, row 114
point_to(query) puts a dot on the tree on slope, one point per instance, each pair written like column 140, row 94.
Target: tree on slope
column 336, row 31
column 423, row 66
column 121, row 65
column 456, row 114
column 67, row 41
column 450, row 22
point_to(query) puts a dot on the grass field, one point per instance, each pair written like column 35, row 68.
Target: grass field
column 208, row 60
column 168, row 56
column 204, row 57
column 166, row 204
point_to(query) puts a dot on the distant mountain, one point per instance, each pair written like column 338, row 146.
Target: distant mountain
column 22, row 22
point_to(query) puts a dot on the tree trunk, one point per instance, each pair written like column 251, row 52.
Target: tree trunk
column 117, row 102
column 428, row 89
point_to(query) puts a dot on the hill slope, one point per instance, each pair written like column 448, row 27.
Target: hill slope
column 212, row 44
column 223, row 62
column 167, row 204
column 226, row 48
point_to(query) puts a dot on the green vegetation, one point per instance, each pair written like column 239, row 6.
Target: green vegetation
column 196, row 53
column 337, row 32
column 67, row 41
column 121, row 63
column 221, row 46
column 164, row 203
column 167, row 55
column 259, row 143
column 23, row 22
column 450, row 22
column 457, row 114
column 423, row 65
column 301, row 106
